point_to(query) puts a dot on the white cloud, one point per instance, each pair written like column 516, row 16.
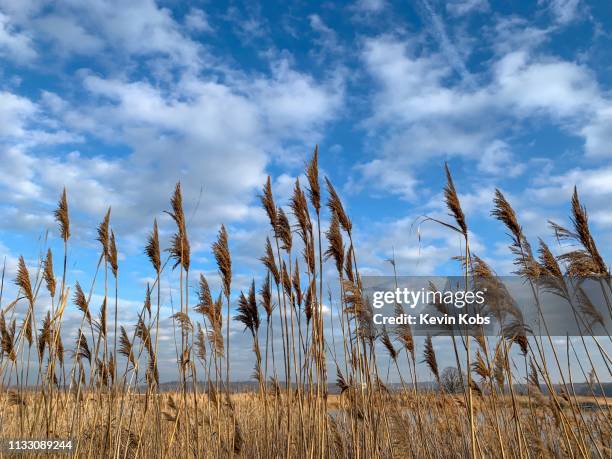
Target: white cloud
column 420, row 110
column 215, row 133
column 293, row 100
column 23, row 121
column 197, row 20
column 14, row 44
column 327, row 41
column 138, row 28
column 463, row 7
column 560, row 88
column 514, row 33
column 564, row 11
column 213, row 137
column 592, row 183
column 15, row 112
column 498, row 160
column 67, row 34
column 598, row 133
column 378, row 174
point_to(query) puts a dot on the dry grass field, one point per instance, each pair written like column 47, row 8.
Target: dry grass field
column 437, row 431
column 101, row 387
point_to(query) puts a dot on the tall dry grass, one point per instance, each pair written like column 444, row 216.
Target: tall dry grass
column 103, row 390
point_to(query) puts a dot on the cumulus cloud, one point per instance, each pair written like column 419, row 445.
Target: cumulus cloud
column 420, row 110
column 498, row 159
column 136, row 28
column 13, row 43
column 598, row 133
column 209, row 124
column 15, row 111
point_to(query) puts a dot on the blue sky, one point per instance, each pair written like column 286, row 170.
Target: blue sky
column 118, row 102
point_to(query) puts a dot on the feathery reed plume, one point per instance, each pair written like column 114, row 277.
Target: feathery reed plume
column 404, row 334
column 583, row 262
column 183, row 321
column 27, row 329
column 430, row 358
column 297, row 285
column 480, row 367
column 503, row 211
column 386, row 341
column 23, row 281
column 179, row 244
column 212, row 311
column 224, row 262
column 516, row 332
column 152, row 375
column 452, row 202
column 341, row 381
column 532, row 375
column 253, row 306
column 82, row 347
column 581, row 226
column 286, row 280
column 499, row 366
column 257, row 374
column 215, row 336
column 205, row 304
column 270, row 262
column 267, row 201
column 588, row 309
column 548, row 261
column 59, row 351
column 266, row 296
column 299, row 208
column 103, row 234
column 152, row 248
column 282, row 230
column 201, row 344
column 248, row 313
column 312, row 172
column 62, row 217
column 44, row 338
column 335, row 249
column 81, row 302
column 8, row 339
column 143, row 332
column 310, row 301
column 348, row 264
column 125, row 346
column 103, row 318
column 48, row 274
column 112, row 254
column 579, row 263
column 335, row 206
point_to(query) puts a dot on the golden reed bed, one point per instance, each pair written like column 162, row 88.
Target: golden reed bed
column 101, row 390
